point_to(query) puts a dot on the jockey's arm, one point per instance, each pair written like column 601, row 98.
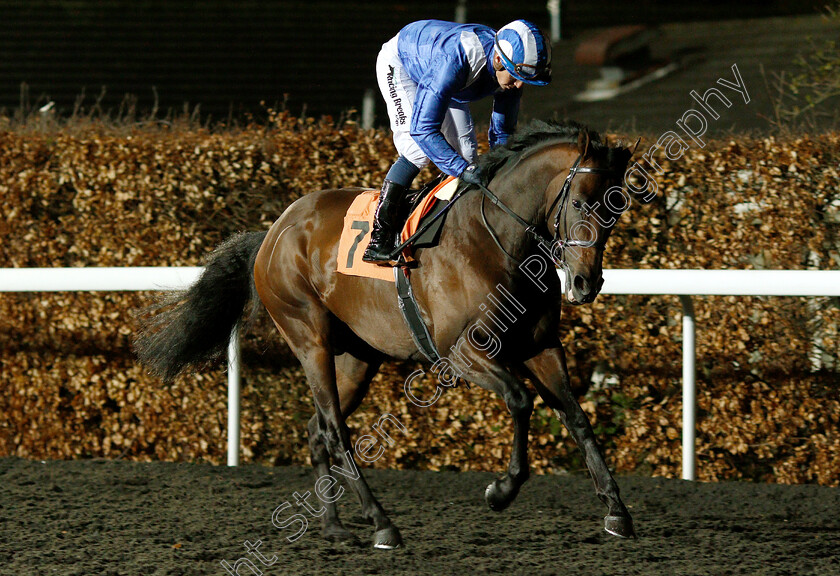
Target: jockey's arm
column 430, row 105
column 504, row 116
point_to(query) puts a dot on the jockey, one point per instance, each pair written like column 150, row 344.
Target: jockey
column 428, row 74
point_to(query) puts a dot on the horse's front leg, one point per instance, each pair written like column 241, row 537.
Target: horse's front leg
column 490, row 376
column 552, row 383
column 502, row 491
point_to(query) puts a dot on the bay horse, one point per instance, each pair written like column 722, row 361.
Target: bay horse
column 550, row 178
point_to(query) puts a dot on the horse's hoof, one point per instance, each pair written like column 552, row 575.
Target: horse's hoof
column 621, row 526
column 387, row 538
column 338, row 533
column 500, row 493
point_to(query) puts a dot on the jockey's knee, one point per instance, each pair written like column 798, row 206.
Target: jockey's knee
column 417, row 158
column 469, row 148
column 403, row 172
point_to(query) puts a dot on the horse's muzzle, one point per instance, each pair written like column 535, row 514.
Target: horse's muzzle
column 579, row 290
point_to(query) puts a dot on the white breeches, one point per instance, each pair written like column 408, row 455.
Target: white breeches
column 399, row 91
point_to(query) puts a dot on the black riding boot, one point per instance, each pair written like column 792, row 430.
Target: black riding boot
column 385, row 226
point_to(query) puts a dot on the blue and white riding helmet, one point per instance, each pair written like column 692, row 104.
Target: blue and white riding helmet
column 524, row 52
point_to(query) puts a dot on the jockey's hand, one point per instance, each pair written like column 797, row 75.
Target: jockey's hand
column 473, row 174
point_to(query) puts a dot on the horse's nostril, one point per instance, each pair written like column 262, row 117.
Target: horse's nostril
column 581, row 285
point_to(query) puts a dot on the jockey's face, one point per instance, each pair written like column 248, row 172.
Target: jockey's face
column 503, row 77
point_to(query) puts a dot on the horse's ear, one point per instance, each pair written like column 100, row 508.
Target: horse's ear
column 583, row 143
column 636, row 145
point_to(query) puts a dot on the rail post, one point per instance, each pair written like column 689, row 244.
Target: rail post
column 461, row 12
column 234, row 382
column 689, row 391
column 368, row 109
column 555, row 15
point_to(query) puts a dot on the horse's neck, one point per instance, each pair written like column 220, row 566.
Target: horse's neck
column 522, row 188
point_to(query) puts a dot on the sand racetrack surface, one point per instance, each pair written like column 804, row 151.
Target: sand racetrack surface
column 108, row 517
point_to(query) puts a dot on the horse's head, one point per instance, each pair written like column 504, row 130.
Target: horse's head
column 583, row 211
column 559, row 178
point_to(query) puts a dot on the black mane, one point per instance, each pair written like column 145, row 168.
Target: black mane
column 533, row 135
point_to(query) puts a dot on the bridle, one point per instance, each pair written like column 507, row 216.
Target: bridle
column 549, row 246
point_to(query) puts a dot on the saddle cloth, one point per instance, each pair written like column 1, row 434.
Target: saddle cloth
column 358, row 222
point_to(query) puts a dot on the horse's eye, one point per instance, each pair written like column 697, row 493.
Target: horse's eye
column 576, row 204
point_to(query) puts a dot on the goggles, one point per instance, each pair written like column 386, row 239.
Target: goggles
column 525, row 72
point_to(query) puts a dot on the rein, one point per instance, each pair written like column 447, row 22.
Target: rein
column 562, row 199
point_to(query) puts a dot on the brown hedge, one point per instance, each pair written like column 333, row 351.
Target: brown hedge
column 96, row 195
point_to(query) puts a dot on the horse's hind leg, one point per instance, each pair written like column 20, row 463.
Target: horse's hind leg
column 353, row 378
column 552, row 382
column 333, row 529
column 320, row 372
column 306, row 328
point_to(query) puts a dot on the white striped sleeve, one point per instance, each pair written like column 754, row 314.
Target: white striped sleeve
column 475, row 54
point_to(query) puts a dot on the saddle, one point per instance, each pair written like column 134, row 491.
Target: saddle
column 423, row 205
column 421, row 210
column 413, row 198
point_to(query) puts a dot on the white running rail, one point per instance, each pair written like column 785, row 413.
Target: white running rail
column 687, row 283
column 682, row 283
column 130, row 279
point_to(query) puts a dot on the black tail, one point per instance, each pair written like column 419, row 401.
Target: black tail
column 195, row 325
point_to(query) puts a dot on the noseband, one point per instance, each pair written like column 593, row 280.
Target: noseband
column 549, row 246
